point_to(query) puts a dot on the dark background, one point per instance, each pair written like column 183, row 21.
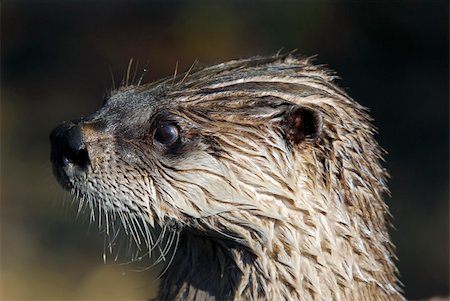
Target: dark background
column 55, row 65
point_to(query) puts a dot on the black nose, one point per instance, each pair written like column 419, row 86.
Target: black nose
column 67, row 146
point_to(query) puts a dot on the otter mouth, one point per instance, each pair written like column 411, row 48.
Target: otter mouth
column 69, row 156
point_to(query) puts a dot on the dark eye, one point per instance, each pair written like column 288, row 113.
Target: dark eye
column 167, row 134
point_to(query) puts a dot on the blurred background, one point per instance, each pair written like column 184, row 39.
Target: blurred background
column 56, row 64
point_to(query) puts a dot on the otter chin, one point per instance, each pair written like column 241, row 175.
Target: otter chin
column 265, row 173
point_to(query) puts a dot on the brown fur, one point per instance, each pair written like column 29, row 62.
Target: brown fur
column 274, row 192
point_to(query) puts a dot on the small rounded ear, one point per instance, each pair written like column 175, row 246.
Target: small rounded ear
column 302, row 123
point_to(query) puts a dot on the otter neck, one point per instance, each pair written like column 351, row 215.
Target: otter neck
column 215, row 268
column 209, row 268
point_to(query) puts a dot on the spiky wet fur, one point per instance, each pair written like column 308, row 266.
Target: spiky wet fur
column 254, row 215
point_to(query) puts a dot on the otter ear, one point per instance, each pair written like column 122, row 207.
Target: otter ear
column 301, row 123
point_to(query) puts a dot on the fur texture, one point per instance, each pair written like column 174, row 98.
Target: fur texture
column 262, row 200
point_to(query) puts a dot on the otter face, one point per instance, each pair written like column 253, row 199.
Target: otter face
column 173, row 159
column 196, row 154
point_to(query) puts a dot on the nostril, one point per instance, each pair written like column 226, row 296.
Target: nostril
column 68, row 146
column 76, row 156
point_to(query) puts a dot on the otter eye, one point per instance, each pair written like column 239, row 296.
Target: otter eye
column 167, row 134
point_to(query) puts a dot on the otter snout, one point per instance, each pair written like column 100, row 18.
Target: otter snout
column 69, row 155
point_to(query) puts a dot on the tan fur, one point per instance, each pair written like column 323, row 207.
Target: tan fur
column 276, row 220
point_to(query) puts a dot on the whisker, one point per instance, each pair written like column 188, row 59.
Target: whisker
column 144, row 72
column 175, row 73
column 135, row 72
column 187, row 73
column 113, row 81
column 172, row 257
column 127, row 81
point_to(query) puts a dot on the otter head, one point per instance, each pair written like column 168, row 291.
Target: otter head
column 265, row 156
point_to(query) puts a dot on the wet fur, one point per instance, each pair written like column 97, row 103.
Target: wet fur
column 258, row 206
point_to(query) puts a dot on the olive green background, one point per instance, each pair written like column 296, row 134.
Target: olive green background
column 56, row 64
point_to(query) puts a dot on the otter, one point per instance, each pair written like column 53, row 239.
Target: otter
column 264, row 171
